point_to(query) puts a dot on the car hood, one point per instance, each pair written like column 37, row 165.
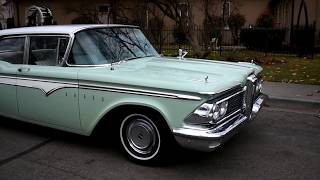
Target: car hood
column 187, row 75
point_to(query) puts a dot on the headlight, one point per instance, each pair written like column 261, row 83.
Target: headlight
column 208, row 113
column 204, row 110
column 223, row 108
column 259, row 86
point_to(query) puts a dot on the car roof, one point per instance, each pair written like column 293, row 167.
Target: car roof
column 56, row 29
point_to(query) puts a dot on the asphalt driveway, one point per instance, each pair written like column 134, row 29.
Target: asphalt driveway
column 278, row 145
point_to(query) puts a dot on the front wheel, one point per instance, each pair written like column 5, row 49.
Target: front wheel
column 141, row 137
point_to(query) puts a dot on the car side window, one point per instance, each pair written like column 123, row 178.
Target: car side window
column 12, row 50
column 47, row 50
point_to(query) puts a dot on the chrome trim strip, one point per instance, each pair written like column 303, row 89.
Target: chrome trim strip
column 12, row 36
column 218, row 133
column 49, row 86
column 213, row 93
column 26, row 50
column 227, row 98
column 138, row 91
column 230, row 115
column 44, row 80
column 46, row 86
column 8, row 80
column 208, row 133
column 68, row 50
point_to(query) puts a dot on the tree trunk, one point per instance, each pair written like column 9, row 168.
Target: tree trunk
column 186, row 20
column 197, row 50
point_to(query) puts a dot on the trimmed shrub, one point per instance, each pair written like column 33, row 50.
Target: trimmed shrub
column 236, row 22
column 263, row 39
column 212, row 29
column 179, row 36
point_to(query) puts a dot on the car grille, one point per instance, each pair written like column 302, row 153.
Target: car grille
column 235, row 103
column 250, row 93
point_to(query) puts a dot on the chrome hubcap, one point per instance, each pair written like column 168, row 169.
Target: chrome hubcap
column 141, row 136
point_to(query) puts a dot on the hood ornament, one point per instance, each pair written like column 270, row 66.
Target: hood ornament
column 182, row 53
column 206, row 79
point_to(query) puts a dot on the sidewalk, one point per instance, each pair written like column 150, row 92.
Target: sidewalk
column 294, row 92
column 296, row 96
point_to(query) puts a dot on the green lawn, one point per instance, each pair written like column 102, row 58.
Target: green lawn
column 277, row 67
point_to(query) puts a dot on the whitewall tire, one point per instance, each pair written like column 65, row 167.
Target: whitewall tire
column 141, row 137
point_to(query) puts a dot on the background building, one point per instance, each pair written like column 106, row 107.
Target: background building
column 286, row 14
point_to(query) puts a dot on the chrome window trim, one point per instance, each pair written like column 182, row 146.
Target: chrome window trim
column 12, row 36
column 67, row 54
column 72, row 39
column 58, row 51
column 68, row 50
column 26, row 50
column 48, row 35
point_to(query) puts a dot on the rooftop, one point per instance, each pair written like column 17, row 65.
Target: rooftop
column 56, row 29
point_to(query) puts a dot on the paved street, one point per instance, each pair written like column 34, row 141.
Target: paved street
column 278, row 145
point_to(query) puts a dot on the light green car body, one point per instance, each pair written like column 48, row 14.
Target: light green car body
column 76, row 99
column 79, row 109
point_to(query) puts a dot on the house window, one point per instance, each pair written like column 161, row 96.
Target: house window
column 103, row 12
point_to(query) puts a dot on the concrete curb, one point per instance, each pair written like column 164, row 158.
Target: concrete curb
column 294, row 100
column 293, row 104
column 292, row 96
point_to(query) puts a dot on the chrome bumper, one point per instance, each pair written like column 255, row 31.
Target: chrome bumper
column 204, row 139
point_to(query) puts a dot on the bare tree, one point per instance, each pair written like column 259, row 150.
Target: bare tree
column 180, row 11
column 89, row 14
column 3, row 10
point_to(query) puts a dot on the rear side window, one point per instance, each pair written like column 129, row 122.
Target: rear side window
column 12, row 50
column 47, row 50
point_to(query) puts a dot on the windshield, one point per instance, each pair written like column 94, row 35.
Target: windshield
column 109, row 45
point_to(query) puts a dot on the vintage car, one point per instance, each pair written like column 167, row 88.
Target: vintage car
column 78, row 77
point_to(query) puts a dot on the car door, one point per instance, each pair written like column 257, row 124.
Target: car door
column 48, row 93
column 11, row 57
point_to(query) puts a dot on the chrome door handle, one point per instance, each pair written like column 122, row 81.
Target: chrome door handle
column 24, row 69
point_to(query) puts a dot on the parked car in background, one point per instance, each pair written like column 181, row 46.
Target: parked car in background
column 76, row 77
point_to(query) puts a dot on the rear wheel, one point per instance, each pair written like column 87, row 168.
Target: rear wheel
column 142, row 136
